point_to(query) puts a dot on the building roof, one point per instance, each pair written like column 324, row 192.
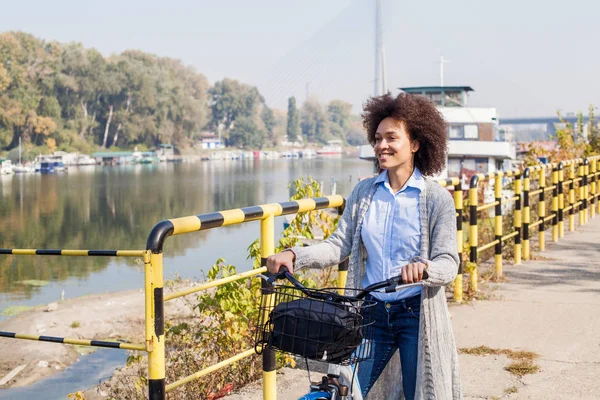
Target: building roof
column 420, row 89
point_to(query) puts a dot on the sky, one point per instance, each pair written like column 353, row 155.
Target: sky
column 524, row 57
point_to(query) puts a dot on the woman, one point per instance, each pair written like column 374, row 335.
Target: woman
column 399, row 222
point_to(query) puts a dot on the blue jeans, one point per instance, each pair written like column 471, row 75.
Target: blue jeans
column 396, row 327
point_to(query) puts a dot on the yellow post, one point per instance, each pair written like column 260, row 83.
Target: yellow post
column 561, row 201
column 343, row 266
column 498, row 222
column 555, row 204
column 267, row 247
column 517, row 222
column 593, row 187
column 342, row 275
column 473, row 240
column 156, row 355
column 572, row 197
column 526, row 214
column 542, row 210
column 581, row 194
column 458, row 205
column 586, row 189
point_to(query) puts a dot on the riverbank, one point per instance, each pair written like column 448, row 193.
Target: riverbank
column 110, row 316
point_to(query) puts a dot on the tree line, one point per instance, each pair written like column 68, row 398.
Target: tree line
column 68, row 97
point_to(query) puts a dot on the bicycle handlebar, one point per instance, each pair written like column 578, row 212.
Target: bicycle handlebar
column 390, row 285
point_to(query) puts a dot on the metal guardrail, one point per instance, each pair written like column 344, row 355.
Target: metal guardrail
column 154, row 346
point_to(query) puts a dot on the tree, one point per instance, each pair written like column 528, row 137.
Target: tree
column 593, row 137
column 339, row 114
column 314, row 122
column 246, row 134
column 293, row 120
column 230, row 100
column 268, row 118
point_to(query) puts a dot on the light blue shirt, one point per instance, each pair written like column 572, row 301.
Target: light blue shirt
column 391, row 232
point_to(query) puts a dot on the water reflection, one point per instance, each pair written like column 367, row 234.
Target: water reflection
column 116, row 207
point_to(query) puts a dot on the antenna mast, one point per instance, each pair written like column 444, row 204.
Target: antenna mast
column 379, row 81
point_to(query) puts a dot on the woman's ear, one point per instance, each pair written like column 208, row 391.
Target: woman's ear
column 415, row 146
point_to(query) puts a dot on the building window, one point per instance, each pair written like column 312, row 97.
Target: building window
column 482, row 165
column 453, row 99
column 468, row 132
column 468, row 163
column 471, row 132
column 456, row 131
column 454, row 167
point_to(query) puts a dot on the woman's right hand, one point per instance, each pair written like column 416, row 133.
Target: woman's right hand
column 276, row 261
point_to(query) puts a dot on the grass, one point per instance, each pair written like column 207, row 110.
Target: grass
column 522, row 367
column 75, row 324
column 522, row 364
column 14, row 310
column 511, row 390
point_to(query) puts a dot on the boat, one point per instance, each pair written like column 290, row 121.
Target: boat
column 476, row 144
column 51, row 166
column 23, row 169
column 308, row 153
column 6, row 167
column 84, row 159
column 20, row 168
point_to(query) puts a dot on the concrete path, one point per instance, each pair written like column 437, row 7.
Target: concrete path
column 550, row 306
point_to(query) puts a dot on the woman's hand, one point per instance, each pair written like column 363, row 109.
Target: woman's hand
column 413, row 273
column 286, row 258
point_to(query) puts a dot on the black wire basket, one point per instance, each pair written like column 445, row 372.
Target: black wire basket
column 317, row 324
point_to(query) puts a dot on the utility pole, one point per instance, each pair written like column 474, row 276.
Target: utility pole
column 442, row 62
column 307, row 87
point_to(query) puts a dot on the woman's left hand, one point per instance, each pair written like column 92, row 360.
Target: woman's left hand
column 413, row 273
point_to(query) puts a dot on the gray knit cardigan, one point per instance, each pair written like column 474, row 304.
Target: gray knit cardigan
column 437, row 368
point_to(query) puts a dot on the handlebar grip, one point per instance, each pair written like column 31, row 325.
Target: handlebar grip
column 425, row 274
column 282, row 270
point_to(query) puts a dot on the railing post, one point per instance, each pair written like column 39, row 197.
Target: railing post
column 458, row 205
column 526, row 213
column 473, row 240
column 342, row 275
column 593, row 187
column 572, row 197
column 156, row 357
column 555, row 204
column 517, row 221
column 586, row 188
column 542, row 209
column 597, row 158
column 561, row 201
column 343, row 266
column 267, row 247
column 498, row 222
column 581, row 194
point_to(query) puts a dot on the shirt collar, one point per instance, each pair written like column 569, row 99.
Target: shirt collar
column 416, row 180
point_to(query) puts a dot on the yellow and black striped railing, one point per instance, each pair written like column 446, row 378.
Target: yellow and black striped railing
column 529, row 187
column 76, row 253
column 266, row 215
column 80, row 342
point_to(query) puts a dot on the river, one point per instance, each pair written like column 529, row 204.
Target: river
column 114, row 208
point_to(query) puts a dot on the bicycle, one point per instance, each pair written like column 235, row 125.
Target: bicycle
column 320, row 325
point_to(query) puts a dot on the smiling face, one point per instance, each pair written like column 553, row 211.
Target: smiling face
column 393, row 146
